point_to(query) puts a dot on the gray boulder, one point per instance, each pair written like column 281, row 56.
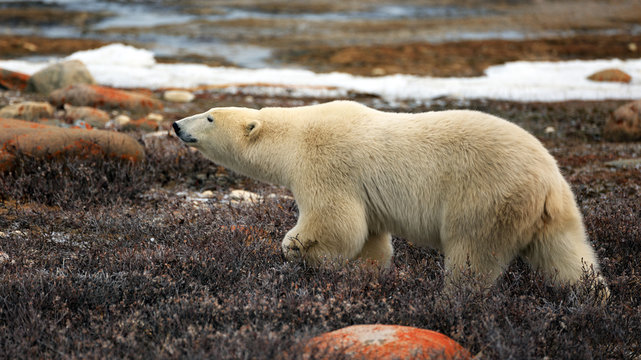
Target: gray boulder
column 59, row 75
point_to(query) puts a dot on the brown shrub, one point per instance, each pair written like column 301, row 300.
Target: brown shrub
column 107, row 261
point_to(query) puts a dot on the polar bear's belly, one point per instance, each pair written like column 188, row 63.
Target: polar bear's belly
column 416, row 220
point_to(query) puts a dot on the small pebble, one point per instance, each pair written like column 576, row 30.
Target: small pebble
column 4, row 257
column 207, row 194
column 121, row 120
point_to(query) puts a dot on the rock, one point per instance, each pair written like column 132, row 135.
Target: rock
column 50, row 142
column 59, row 75
column 121, row 120
column 144, row 124
column 11, row 80
column 624, row 124
column 104, row 98
column 155, row 117
column 385, row 342
column 180, row 96
column 244, row 196
column 378, row 71
column 207, row 194
column 80, row 124
column 4, row 257
column 27, row 110
column 634, row 163
column 611, row 75
column 94, row 117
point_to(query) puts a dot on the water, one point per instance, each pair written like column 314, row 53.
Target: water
column 134, row 22
column 181, row 29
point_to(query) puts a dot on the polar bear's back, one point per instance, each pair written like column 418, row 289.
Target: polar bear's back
column 416, row 170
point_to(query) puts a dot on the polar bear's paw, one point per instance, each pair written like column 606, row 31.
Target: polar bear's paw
column 294, row 248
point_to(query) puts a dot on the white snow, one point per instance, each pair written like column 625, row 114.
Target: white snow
column 128, row 67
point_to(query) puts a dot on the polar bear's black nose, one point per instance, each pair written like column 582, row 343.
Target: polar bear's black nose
column 176, row 128
column 182, row 135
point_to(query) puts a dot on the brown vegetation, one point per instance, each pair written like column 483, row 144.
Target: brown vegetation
column 110, row 259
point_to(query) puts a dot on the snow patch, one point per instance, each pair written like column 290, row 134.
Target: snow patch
column 128, row 67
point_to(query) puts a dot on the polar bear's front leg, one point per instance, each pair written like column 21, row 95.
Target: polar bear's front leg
column 335, row 231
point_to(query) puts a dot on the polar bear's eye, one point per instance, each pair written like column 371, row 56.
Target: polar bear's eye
column 210, row 118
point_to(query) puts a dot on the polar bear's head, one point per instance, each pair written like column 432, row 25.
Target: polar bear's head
column 220, row 133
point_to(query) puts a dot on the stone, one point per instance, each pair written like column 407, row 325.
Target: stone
column 105, row 98
column 27, row 110
column 155, row 117
column 4, row 257
column 81, row 124
column 59, row 75
column 144, row 124
column 384, row 342
column 634, row 163
column 378, row 71
column 51, row 142
column 11, row 80
column 121, row 120
column 611, row 75
column 207, row 194
column 244, row 196
column 96, row 118
column 624, row 124
column 180, row 96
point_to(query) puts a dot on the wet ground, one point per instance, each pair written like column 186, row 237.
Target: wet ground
column 373, row 37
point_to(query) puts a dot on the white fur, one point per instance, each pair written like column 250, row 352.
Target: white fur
column 474, row 186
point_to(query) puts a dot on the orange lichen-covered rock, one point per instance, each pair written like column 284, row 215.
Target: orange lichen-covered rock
column 612, row 75
column 385, row 342
column 104, row 98
column 51, row 142
column 624, row 124
column 144, row 124
column 27, row 110
column 92, row 116
column 11, row 80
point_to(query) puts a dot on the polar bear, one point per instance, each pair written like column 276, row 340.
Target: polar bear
column 476, row 187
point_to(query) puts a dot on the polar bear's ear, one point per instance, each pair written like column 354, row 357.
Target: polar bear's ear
column 252, row 128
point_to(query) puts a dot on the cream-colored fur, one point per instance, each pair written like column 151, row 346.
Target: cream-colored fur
column 476, row 187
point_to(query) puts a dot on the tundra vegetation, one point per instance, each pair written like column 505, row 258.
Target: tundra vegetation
column 106, row 259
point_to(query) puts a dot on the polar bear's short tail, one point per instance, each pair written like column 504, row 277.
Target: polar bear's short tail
column 561, row 248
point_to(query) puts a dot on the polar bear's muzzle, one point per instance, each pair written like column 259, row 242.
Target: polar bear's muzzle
column 185, row 137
